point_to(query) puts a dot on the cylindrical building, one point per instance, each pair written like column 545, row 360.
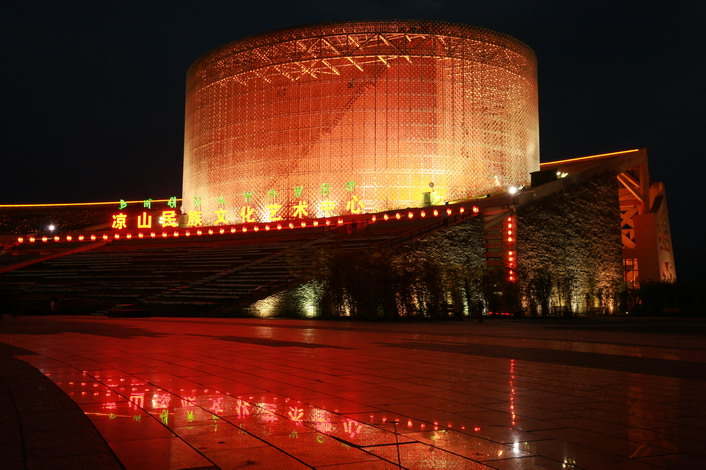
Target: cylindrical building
column 339, row 118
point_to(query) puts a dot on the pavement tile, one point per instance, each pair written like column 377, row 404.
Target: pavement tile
column 217, row 437
column 533, row 462
column 582, row 457
column 266, row 457
column 466, row 445
column 89, row 461
column 676, row 461
column 319, row 449
column 236, row 392
column 368, row 465
column 65, row 419
column 45, row 443
column 339, row 405
column 13, row 457
column 128, row 429
column 418, row 456
column 157, row 454
column 623, row 447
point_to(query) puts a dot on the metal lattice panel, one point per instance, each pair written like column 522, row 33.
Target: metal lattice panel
column 392, row 106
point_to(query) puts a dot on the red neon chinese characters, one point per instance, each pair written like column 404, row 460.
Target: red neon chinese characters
column 300, row 210
column 355, row 205
column 246, row 214
column 144, row 220
column 272, row 212
column 169, row 219
column 194, row 219
column 119, row 221
column 220, row 217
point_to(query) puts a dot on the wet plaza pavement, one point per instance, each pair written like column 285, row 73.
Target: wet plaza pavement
column 289, row 394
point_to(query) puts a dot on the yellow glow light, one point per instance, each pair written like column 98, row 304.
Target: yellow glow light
column 590, row 157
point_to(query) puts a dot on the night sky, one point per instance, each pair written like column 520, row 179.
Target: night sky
column 93, row 92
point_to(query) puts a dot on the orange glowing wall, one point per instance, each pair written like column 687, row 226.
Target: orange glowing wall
column 391, row 106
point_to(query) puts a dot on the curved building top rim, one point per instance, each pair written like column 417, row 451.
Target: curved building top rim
column 347, row 27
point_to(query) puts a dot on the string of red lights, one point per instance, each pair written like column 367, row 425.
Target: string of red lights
column 244, row 228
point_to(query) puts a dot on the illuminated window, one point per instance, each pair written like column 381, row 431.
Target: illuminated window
column 630, row 272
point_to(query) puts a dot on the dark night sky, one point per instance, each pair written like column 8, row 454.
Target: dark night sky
column 93, row 92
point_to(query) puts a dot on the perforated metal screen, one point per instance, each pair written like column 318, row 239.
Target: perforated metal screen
column 395, row 113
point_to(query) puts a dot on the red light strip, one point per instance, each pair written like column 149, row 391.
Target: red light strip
column 510, row 240
column 243, row 228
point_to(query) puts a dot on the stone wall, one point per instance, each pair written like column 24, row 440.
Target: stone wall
column 428, row 277
column 569, row 243
column 569, row 261
column 460, row 244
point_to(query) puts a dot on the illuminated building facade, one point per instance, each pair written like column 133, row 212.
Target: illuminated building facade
column 576, row 239
column 359, row 117
column 646, row 239
column 323, row 134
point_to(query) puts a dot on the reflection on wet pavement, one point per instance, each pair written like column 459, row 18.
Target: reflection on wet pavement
column 234, row 394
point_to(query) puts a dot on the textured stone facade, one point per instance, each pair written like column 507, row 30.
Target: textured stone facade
column 432, row 276
column 569, row 244
column 569, row 261
column 460, row 244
